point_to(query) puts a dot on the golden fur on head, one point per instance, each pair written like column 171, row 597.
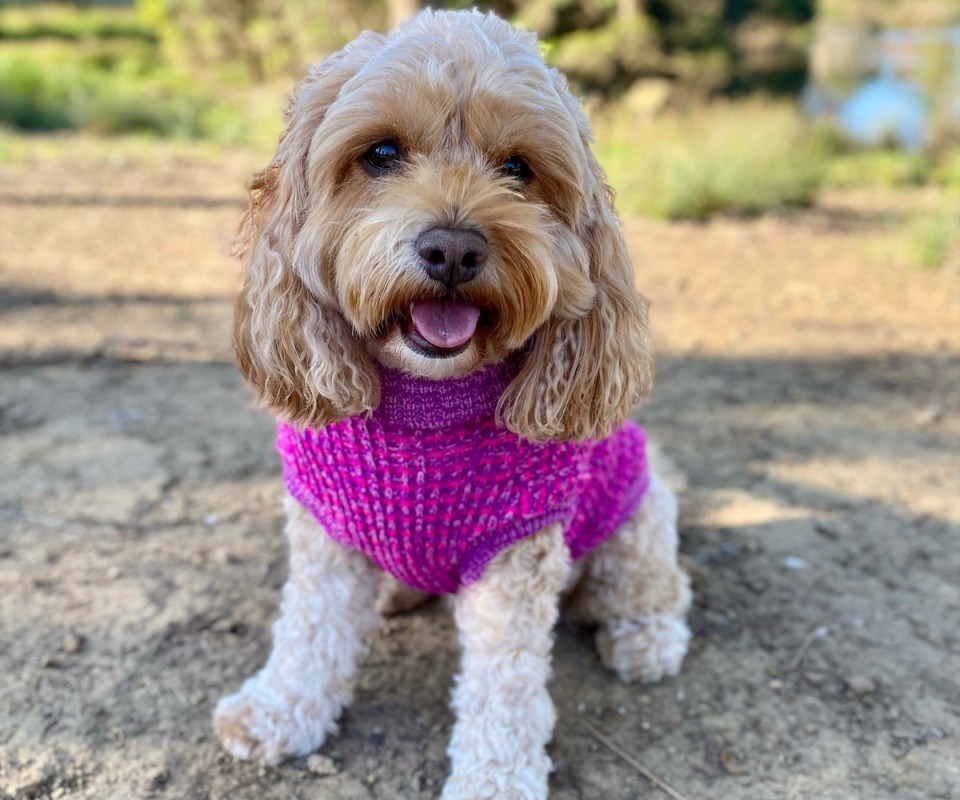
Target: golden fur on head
column 331, row 267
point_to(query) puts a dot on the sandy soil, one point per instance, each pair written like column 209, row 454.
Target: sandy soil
column 808, row 387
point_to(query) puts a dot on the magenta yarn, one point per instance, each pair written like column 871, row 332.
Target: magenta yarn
column 431, row 488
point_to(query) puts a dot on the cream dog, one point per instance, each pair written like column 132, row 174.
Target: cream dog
column 434, row 214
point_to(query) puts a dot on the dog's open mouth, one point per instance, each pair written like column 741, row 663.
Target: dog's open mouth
column 441, row 328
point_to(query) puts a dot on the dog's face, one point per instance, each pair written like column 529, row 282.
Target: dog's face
column 433, row 205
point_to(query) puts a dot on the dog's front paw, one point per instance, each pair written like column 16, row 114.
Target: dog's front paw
column 644, row 648
column 493, row 783
column 255, row 726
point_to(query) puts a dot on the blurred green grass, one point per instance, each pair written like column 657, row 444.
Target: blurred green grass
column 105, row 71
column 891, row 169
column 72, row 23
column 120, row 87
column 744, row 157
column 107, row 90
column 931, row 239
column 747, row 157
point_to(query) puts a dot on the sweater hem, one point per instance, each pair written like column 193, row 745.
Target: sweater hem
column 478, row 556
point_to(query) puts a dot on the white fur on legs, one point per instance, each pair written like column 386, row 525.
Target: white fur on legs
column 634, row 588
column 327, row 615
column 504, row 714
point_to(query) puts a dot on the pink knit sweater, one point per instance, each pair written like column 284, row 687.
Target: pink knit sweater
column 431, row 489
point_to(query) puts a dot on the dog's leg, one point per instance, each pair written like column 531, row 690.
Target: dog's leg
column 504, row 715
column 326, row 617
column 633, row 587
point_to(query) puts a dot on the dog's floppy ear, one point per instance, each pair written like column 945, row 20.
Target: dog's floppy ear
column 291, row 342
column 584, row 374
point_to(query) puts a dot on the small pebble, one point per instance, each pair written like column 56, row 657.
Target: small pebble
column 828, row 530
column 917, row 736
column 209, row 519
column 621, row 710
column 860, row 685
column 811, row 730
column 322, row 765
column 159, row 779
column 814, row 678
column 729, row 763
column 794, row 562
column 72, row 643
column 929, row 415
column 776, row 685
column 114, row 572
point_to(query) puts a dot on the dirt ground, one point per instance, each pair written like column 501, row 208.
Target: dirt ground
column 808, row 388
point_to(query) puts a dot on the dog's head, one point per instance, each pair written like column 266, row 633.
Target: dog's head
column 434, row 205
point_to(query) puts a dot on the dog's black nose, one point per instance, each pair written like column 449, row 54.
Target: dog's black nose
column 452, row 255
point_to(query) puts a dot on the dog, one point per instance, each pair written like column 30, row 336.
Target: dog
column 439, row 307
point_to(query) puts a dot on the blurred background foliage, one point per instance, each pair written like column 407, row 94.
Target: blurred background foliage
column 699, row 106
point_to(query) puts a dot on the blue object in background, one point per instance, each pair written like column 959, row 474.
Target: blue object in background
column 897, row 104
column 886, row 109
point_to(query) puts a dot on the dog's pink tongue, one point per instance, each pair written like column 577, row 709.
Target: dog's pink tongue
column 445, row 323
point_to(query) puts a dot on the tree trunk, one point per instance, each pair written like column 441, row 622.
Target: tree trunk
column 401, row 9
column 628, row 9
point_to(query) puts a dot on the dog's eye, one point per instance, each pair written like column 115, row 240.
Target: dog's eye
column 516, row 168
column 382, row 158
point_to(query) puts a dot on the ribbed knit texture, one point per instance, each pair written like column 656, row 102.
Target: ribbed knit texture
column 431, row 489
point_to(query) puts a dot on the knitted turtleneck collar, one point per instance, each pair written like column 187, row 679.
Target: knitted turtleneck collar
column 410, row 402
